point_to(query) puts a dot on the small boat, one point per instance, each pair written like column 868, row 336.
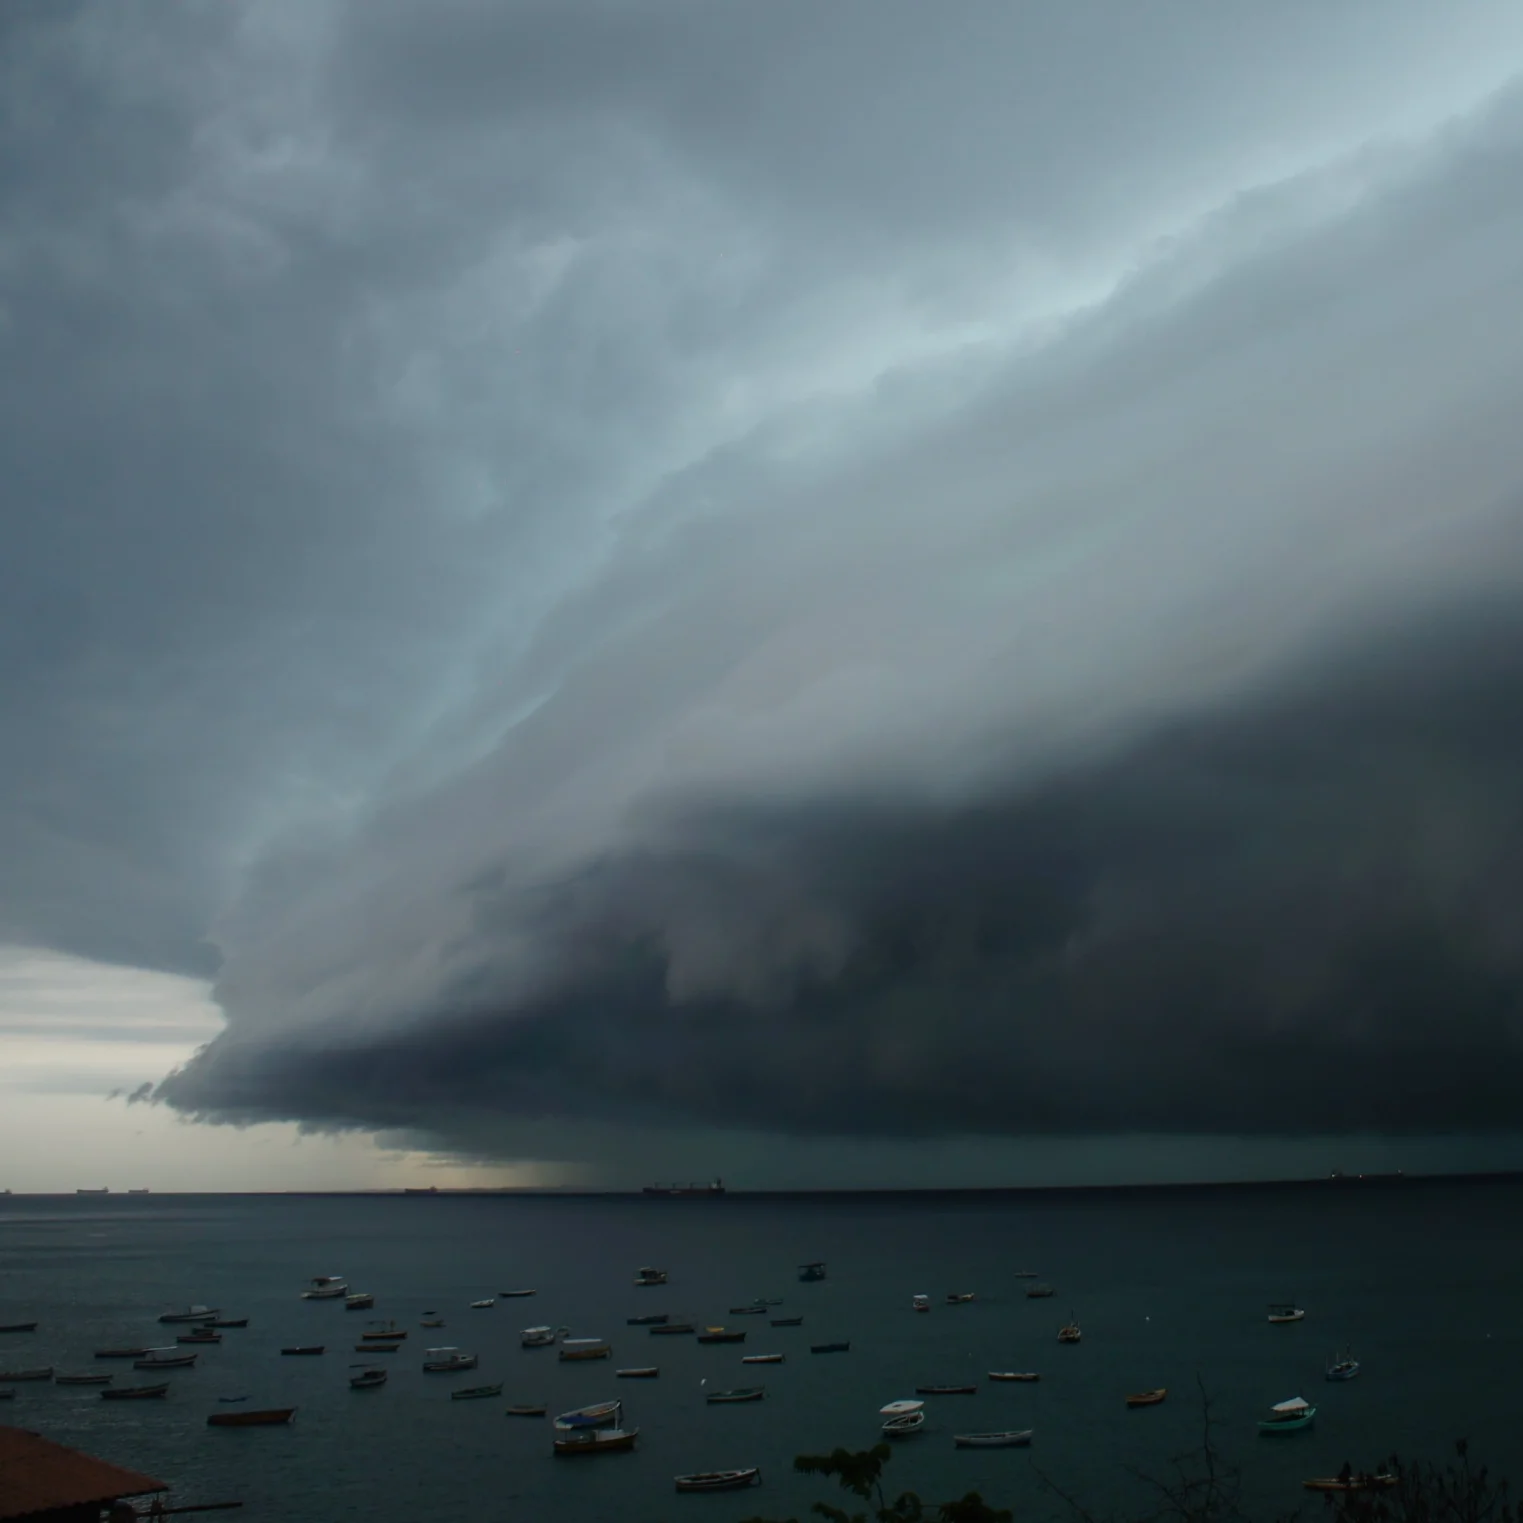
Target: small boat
column 269, row 1417
column 7, row 1395
column 946, row 1390
column 207, row 1337
column 787, row 1322
column 229, row 1400
column 432, row 1322
column 1288, row 1416
column 120, row 1353
column 809, row 1272
column 1342, row 1367
column 1014, row 1375
column 585, row 1348
column 1349, row 1481
column 719, row 1480
column 326, row 1287
column 762, row 1358
column 741, row 1393
column 1285, row 1311
column 511, row 1295
column 920, row 1303
column 527, row 1409
column 830, row 1348
column 650, row 1277
column 166, row 1359
column 601, row 1414
column 1011, row 1439
column 229, row 1322
column 748, row 1311
column 904, row 1425
column 367, row 1380
column 1069, row 1333
column 639, row 1372
column 376, row 1348
column 1037, row 1292
column 359, row 1301
column 1147, row 1398
column 443, row 1361
column 192, row 1314
column 485, row 1305
column 42, row 1372
column 720, row 1335
column 672, row 1329
column 133, row 1393
column 83, row 1380
column 304, row 1348
column 387, row 1333
column 475, row 1393
column 596, row 1441
column 655, row 1319
column 541, row 1337
column 1023, row 1274
column 959, row 1297
column 18, row 1327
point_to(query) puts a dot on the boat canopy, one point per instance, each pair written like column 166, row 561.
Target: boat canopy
column 442, row 1353
column 899, row 1408
column 1295, row 1404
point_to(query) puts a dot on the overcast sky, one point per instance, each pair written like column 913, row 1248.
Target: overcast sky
column 855, row 592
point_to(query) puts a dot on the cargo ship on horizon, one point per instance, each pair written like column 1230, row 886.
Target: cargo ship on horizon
column 716, row 1188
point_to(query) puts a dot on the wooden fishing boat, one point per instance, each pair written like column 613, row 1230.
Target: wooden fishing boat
column 946, row 1390
column 83, row 1380
column 432, row 1322
column 41, row 1372
column 513, row 1295
column 830, row 1348
column 18, row 1327
column 596, row 1441
column 475, row 1393
column 207, row 1337
column 601, row 1414
column 326, row 1287
column 741, row 1393
column 229, row 1322
column 172, row 1359
column 119, row 1353
column 1147, row 1398
column 720, row 1335
column 719, row 1480
column 1288, row 1416
column 787, row 1322
column 1010, row 1439
column 367, row 1380
column 484, row 1305
column 133, row 1393
column 304, row 1348
column 903, row 1425
column 655, row 1319
column 762, row 1358
column 748, row 1311
column 376, row 1348
column 1014, row 1375
column 388, row 1333
column 585, row 1348
column 269, row 1417
column 192, row 1314
column 528, row 1409
column 639, row 1372
column 1348, row 1481
column 959, row 1297
column 1285, row 1311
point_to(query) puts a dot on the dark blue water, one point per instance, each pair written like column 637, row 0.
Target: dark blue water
column 1422, row 1281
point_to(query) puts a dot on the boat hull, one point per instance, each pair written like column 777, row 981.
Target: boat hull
column 1013, row 1440
column 719, row 1480
column 134, row 1393
column 273, row 1417
column 597, row 1441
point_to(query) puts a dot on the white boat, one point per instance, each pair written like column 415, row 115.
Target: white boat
column 326, row 1287
column 541, row 1337
column 483, row 1305
column 585, row 1348
column 1012, row 1439
column 762, row 1358
column 903, row 1425
column 601, row 1414
column 920, row 1303
column 440, row 1361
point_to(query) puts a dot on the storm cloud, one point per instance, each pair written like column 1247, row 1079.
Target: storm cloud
column 812, row 571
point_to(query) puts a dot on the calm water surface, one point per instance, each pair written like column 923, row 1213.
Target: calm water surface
column 1423, row 1283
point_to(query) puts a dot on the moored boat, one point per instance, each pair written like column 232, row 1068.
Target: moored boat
column 810, row 1272
column 1037, row 1292
column 1341, row 1367
column 655, row 1319
column 1147, row 1398
column 748, row 1311
column 648, row 1276
column 83, row 1380
column 831, row 1348
column 541, row 1337
column 672, row 1329
column 762, row 1358
column 475, row 1393
column 269, row 1417
column 1285, row 1311
column 432, row 1322
column 1014, row 1375
column 222, row 1322
column 18, row 1327
column 1069, row 1333
column 585, row 1348
column 133, row 1393
column 528, row 1409
column 740, row 1393
column 202, row 1337
column 170, row 1358
column 721, row 1335
column 388, row 1332
column 485, row 1304
column 920, row 1303
column 601, row 1414
column 903, row 1425
column 1010, row 1439
column 443, row 1361
column 326, row 1287
column 787, row 1322
column 367, row 1380
column 359, row 1300
column 1350, row 1481
column 596, row 1441
column 639, row 1372
column 192, row 1314
column 304, row 1348
column 40, row 1372
column 513, row 1295
column 1288, row 1416
column 946, row 1390
column 719, row 1480
column 376, row 1348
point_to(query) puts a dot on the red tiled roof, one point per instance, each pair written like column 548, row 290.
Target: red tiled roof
column 36, row 1474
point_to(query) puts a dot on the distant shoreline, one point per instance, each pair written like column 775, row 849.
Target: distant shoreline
column 972, row 1194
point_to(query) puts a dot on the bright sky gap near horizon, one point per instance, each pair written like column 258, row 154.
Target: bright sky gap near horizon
column 854, row 594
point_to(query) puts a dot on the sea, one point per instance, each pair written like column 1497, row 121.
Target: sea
column 1422, row 1280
